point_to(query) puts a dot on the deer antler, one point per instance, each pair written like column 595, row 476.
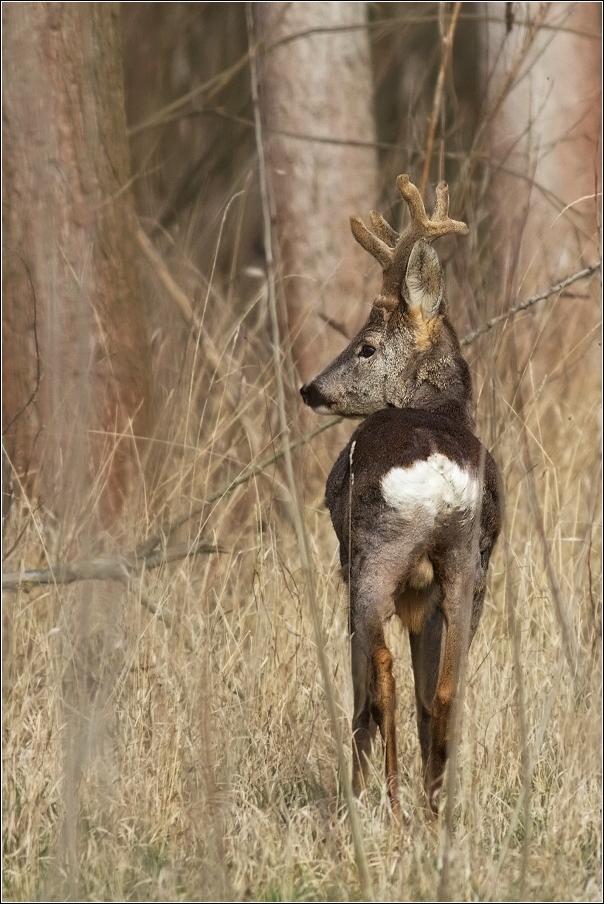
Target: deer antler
column 392, row 250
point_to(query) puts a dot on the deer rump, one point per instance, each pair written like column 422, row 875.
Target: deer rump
column 420, row 515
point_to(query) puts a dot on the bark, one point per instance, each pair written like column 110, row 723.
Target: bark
column 73, row 307
column 545, row 136
column 546, row 157
column 319, row 86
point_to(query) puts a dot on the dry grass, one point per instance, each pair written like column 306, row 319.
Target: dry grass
column 170, row 740
column 186, row 753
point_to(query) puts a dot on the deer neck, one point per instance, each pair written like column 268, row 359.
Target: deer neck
column 433, row 376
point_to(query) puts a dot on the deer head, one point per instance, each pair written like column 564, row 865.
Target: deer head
column 407, row 355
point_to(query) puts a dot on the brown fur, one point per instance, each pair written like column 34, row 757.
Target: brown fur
column 426, row 333
column 412, row 607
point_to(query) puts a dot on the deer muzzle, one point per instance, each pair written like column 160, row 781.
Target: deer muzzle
column 314, row 398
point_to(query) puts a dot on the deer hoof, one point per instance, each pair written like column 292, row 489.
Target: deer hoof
column 433, row 793
column 434, row 799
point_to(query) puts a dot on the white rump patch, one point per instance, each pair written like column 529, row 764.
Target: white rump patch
column 437, row 487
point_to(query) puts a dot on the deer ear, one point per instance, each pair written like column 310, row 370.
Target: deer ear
column 424, row 280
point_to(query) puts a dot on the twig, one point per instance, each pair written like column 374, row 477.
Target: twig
column 180, row 298
column 9, row 552
column 531, row 764
column 300, row 136
column 168, row 620
column 335, row 325
column 447, row 47
column 167, row 280
column 193, row 321
column 214, row 85
column 146, row 553
column 511, row 600
column 532, row 27
column 211, row 87
column 569, row 640
column 527, row 303
column 102, row 568
column 390, row 24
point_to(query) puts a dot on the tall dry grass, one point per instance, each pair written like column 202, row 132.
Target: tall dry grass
column 169, row 738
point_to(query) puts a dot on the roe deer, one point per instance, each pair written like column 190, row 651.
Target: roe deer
column 414, row 498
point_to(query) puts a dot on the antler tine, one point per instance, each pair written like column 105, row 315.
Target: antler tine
column 392, row 250
column 421, row 226
column 410, row 193
column 371, row 243
column 441, row 209
column 383, row 229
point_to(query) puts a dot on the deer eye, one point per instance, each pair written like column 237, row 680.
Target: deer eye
column 366, row 351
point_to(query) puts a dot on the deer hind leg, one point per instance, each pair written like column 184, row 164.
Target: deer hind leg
column 363, row 726
column 375, row 704
column 456, row 605
column 383, row 710
column 375, row 577
column 425, row 658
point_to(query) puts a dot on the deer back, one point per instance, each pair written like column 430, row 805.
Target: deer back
column 414, row 468
column 420, row 472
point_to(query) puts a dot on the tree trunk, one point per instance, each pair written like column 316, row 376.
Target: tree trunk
column 76, row 367
column 316, row 97
column 546, row 133
column 543, row 74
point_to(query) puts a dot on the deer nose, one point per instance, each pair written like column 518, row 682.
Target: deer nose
column 312, row 396
column 305, row 393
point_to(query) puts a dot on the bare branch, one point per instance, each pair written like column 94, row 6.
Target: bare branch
column 248, row 472
column 447, row 48
column 254, row 470
column 529, row 302
column 198, row 331
column 101, row 568
column 335, row 325
column 214, row 85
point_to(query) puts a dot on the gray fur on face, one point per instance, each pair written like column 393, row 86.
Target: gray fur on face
column 406, row 357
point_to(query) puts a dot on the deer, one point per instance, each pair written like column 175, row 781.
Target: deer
column 414, row 498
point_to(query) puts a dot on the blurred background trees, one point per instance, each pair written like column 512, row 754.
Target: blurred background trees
column 317, row 103
column 348, row 98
